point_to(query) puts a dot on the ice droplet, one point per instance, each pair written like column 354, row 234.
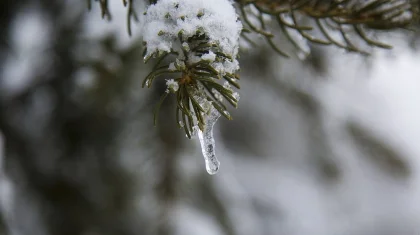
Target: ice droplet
column 208, row 144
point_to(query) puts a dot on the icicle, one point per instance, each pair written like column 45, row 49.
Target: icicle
column 207, row 142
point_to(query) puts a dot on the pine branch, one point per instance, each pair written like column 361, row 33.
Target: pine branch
column 192, row 80
column 343, row 17
column 199, row 62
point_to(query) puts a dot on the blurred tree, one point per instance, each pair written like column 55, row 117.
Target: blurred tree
column 61, row 151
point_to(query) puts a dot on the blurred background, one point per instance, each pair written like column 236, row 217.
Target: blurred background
column 322, row 145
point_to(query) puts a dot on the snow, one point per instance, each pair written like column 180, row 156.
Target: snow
column 227, row 85
column 172, row 67
column 169, row 21
column 172, row 85
column 209, row 57
column 167, row 18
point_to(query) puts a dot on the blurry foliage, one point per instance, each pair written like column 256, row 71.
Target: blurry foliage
column 339, row 17
column 382, row 154
column 69, row 162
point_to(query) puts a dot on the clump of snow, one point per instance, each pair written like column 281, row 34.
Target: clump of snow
column 166, row 19
column 172, row 85
column 169, row 20
column 186, row 47
column 226, row 67
column 209, row 57
column 172, row 67
column 227, row 86
column 179, row 64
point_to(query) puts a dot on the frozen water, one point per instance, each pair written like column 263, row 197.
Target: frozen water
column 208, row 144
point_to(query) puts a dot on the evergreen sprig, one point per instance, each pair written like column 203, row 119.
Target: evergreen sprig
column 343, row 17
column 198, row 86
column 346, row 17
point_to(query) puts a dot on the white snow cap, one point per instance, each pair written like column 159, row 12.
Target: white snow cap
column 172, row 85
column 215, row 18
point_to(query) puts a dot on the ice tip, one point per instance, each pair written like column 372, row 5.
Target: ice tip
column 212, row 167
